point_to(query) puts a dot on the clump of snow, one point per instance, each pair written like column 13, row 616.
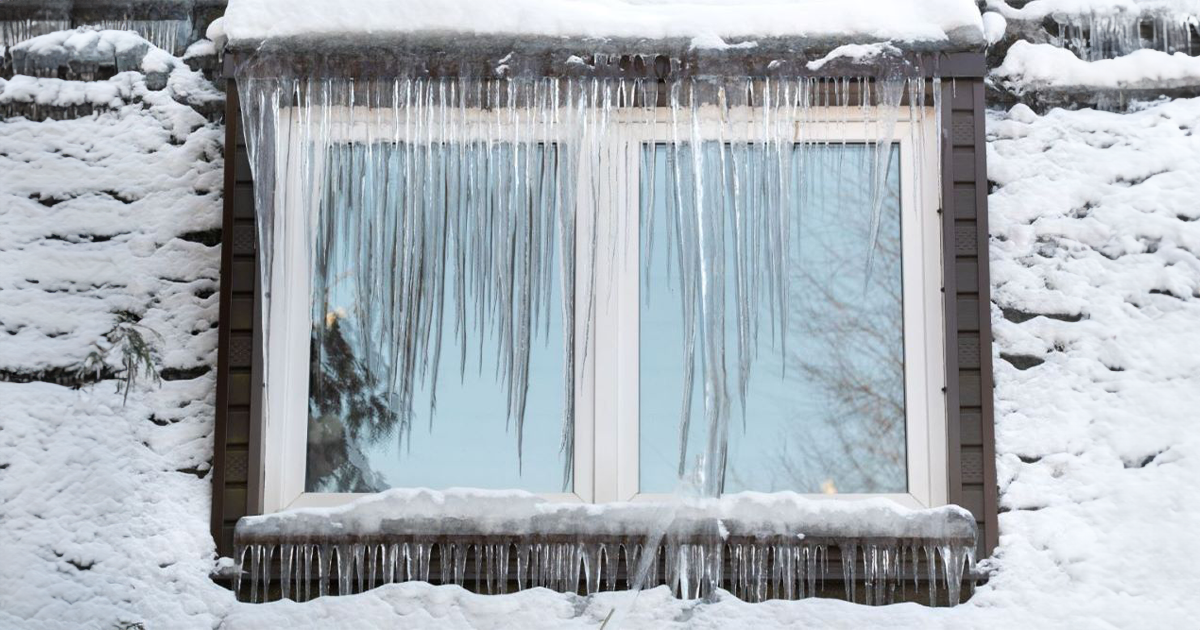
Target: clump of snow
column 712, row 41
column 994, row 26
column 520, row 513
column 1043, row 66
column 216, row 32
column 200, row 48
column 855, row 53
column 933, row 21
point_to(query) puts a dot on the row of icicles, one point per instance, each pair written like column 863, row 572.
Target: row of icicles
column 1096, row 37
column 169, row 35
column 753, row 572
column 489, row 251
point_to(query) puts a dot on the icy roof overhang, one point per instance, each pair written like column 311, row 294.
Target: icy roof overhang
column 924, row 25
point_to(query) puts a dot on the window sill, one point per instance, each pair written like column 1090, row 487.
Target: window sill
column 757, row 546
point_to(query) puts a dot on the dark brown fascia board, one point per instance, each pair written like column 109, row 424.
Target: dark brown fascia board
column 599, row 58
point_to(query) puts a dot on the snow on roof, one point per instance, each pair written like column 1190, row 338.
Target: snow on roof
column 928, row 21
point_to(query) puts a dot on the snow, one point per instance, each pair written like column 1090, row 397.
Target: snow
column 873, row 20
column 200, row 48
column 522, row 513
column 994, row 26
column 103, row 500
column 57, row 92
column 1043, row 66
column 856, row 53
column 1095, row 216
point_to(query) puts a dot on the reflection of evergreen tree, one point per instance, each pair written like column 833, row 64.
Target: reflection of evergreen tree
column 346, row 409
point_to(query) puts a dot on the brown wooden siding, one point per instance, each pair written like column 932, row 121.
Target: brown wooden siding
column 235, row 464
column 970, row 418
column 972, row 474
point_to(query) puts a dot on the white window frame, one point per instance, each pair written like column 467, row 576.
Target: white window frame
column 606, row 422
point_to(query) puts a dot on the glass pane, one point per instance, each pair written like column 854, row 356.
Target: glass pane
column 356, row 441
column 826, row 412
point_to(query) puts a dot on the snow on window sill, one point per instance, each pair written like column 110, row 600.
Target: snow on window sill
column 757, row 546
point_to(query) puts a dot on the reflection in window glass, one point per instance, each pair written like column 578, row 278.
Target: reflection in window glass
column 826, row 414
column 356, row 436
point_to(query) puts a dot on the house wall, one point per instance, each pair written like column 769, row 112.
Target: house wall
column 972, row 478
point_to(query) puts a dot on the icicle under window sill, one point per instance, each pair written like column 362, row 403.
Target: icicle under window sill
column 756, row 546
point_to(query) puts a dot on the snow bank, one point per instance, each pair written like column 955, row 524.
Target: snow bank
column 1043, row 66
column 1096, row 272
column 104, row 522
column 104, row 502
column 93, row 210
column 933, row 21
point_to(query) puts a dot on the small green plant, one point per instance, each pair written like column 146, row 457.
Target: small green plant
column 138, row 356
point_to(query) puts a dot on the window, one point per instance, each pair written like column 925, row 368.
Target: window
column 835, row 323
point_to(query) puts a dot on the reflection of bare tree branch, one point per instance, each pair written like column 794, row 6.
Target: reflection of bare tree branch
column 853, row 352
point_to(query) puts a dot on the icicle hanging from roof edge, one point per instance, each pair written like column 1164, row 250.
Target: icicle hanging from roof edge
column 13, row 32
column 498, row 267
column 1107, row 36
column 170, row 35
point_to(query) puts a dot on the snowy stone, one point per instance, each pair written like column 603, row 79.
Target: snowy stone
column 1043, row 66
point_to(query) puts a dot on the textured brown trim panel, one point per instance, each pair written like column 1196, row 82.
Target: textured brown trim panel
column 235, row 463
column 969, row 399
column 221, row 429
column 991, row 506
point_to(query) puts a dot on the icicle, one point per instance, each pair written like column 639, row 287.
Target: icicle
column 239, row 554
column 849, row 554
column 592, row 568
column 523, row 551
column 285, row 571
column 931, row 567
column 611, row 559
column 460, row 563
